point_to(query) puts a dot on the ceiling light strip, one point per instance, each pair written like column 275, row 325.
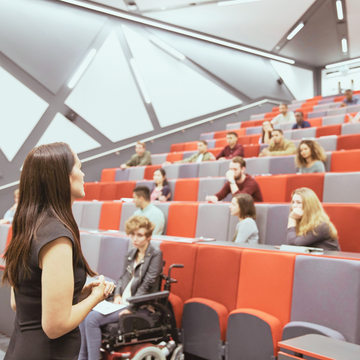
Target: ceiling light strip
column 346, row 62
column 339, row 9
column 295, row 31
column 234, row 2
column 176, row 30
column 82, row 68
column 344, row 45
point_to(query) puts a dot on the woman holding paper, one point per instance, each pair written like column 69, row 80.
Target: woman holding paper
column 44, row 262
column 308, row 224
column 141, row 275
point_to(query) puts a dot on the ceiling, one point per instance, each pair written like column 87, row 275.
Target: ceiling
column 263, row 24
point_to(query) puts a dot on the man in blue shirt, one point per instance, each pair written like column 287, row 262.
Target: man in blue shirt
column 300, row 122
column 350, row 99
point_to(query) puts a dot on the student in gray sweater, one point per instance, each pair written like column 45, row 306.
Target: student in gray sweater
column 310, row 157
column 242, row 206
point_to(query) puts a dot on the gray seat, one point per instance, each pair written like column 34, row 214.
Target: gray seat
column 112, row 256
column 282, row 165
column 327, row 100
column 233, row 221
column 190, row 170
column 257, row 116
column 90, row 246
column 187, row 154
column 321, row 288
column 348, row 129
column 328, row 161
column 136, row 173
column 254, row 130
column 284, row 126
column 211, row 143
column 77, row 210
column 328, row 143
column 287, row 134
column 341, row 188
column 209, row 168
column 333, row 120
column 210, row 186
column 127, row 211
column 212, row 221
column 316, row 114
column 224, row 167
column 263, row 146
column 172, row 171
column 4, row 230
column 257, row 166
column 91, row 215
column 353, row 108
column 338, row 111
column 233, row 126
column 321, row 107
column 164, row 207
column 158, row 159
column 303, row 133
column 276, row 224
column 122, row 175
column 207, row 136
column 149, row 183
column 261, row 220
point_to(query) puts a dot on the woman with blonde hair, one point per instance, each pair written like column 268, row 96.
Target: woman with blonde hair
column 310, row 157
column 308, row 224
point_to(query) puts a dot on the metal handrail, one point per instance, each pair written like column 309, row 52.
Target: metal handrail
column 211, row 118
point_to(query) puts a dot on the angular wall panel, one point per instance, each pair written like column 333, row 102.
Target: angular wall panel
column 20, row 111
column 62, row 130
column 107, row 97
column 178, row 93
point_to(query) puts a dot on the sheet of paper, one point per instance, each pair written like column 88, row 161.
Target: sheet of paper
column 107, row 307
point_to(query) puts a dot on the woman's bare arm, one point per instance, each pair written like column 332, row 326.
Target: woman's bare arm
column 12, row 299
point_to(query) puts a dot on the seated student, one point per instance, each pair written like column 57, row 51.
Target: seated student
column 278, row 145
column 232, row 149
column 310, row 157
column 141, row 158
column 242, row 205
column 239, row 183
column 9, row 215
column 162, row 189
column 285, row 116
column 308, row 224
column 267, row 128
column 202, row 155
column 350, row 99
column 300, row 122
column 140, row 276
column 354, row 119
column 141, row 196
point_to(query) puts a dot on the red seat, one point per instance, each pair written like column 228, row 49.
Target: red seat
column 92, row 191
column 191, row 145
column 181, row 214
column 108, row 174
column 174, row 156
column 177, row 147
column 9, row 237
column 271, row 115
column 215, row 151
column 315, row 122
column 251, row 150
column 221, row 134
column 186, row 189
column 255, row 139
column 108, row 191
column 125, row 189
column 339, row 98
column 149, row 171
column 220, row 143
column 342, row 161
column 348, row 142
column 246, row 124
column 313, row 181
column 273, row 188
column 110, row 216
column 245, row 139
column 328, row 130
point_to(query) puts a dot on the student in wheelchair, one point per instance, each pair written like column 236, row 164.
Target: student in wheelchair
column 141, row 276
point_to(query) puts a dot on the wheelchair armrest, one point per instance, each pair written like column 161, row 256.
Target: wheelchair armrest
column 148, row 297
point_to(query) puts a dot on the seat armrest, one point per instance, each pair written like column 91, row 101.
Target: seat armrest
column 148, row 297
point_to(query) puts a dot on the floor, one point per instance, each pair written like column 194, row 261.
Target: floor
column 4, row 343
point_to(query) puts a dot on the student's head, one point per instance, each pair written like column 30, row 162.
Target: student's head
column 313, row 212
column 283, row 109
column 277, row 136
column 16, row 196
column 242, row 205
column 160, row 177
column 202, row 146
column 309, row 149
column 140, row 148
column 231, row 138
column 348, row 94
column 140, row 230
column 238, row 165
column 299, row 117
column 141, row 196
column 267, row 126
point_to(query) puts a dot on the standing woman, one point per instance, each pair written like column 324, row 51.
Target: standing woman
column 44, row 262
column 162, row 189
column 267, row 128
column 310, row 157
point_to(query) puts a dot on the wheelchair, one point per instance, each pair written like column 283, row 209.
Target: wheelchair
column 149, row 332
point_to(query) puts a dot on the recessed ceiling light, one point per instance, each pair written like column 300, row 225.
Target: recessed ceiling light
column 344, row 45
column 339, row 10
column 353, row 61
column 295, row 31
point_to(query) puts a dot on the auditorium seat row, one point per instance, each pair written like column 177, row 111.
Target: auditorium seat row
column 214, row 220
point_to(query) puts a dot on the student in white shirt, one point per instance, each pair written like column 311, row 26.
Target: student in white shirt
column 285, row 116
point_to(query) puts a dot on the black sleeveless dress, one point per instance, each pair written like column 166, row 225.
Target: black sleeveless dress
column 28, row 341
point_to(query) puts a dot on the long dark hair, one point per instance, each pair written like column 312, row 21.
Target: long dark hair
column 263, row 132
column 246, row 205
column 163, row 173
column 45, row 192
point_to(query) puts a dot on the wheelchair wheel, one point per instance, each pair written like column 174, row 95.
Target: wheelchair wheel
column 149, row 353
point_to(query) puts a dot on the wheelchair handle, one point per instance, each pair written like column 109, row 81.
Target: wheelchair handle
column 176, row 266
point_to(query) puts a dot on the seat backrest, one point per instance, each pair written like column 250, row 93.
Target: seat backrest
column 158, row 159
column 108, row 191
column 91, row 215
column 172, row 171
column 176, row 156
column 108, row 174
column 149, row 171
column 177, row 147
column 348, row 142
column 328, row 130
column 327, row 292
column 136, row 173
column 253, row 130
column 261, row 220
column 90, row 246
column 110, row 216
column 333, row 119
column 191, row 145
column 344, row 216
column 122, row 174
column 345, row 160
column 347, row 129
column 190, row 170
column 207, row 136
column 4, row 230
column 209, row 168
column 251, row 150
column 273, row 188
column 216, row 275
column 164, row 207
column 92, row 191
column 282, row 165
column 209, row 186
column 266, row 280
column 303, row 133
column 342, row 187
column 181, row 214
column 276, row 224
column 148, row 183
column 127, row 211
column 186, row 190
column 328, row 143
column 185, row 254
column 77, row 210
column 313, row 181
column 224, row 167
column 213, row 221
column 112, row 256
column 125, row 189
column 258, row 166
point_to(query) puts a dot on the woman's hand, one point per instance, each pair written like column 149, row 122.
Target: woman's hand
column 118, row 300
column 126, row 311
column 87, row 289
column 98, row 292
column 162, row 198
column 296, row 214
